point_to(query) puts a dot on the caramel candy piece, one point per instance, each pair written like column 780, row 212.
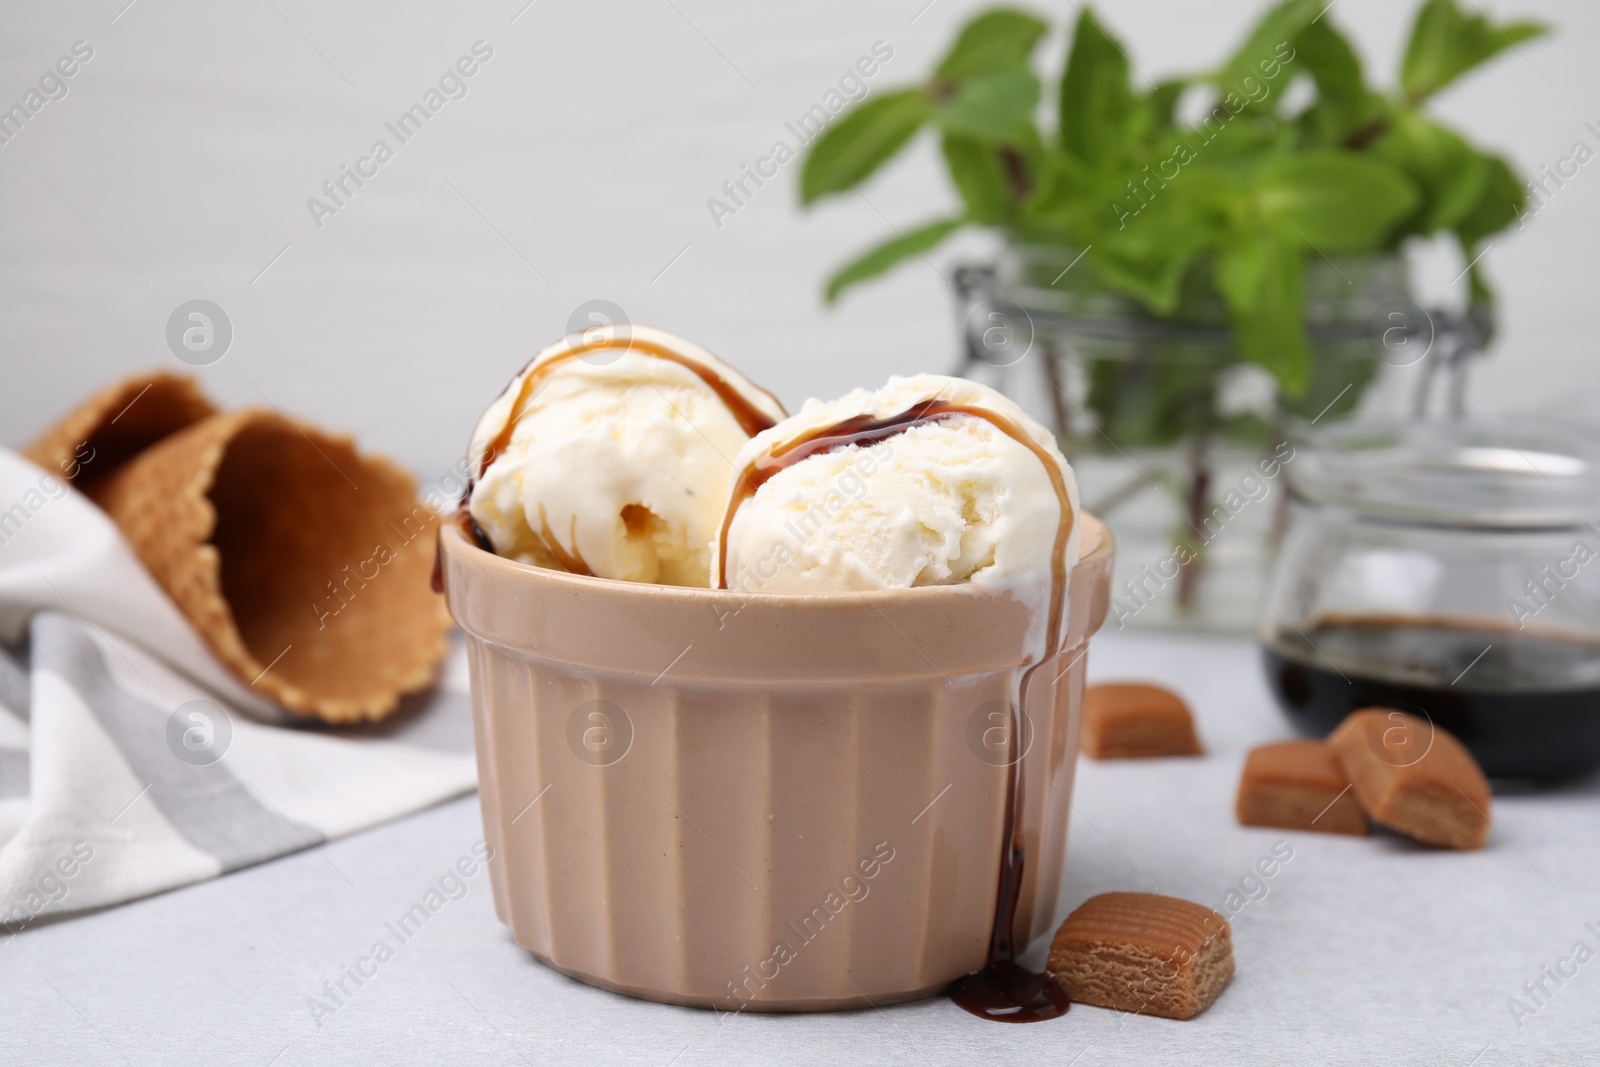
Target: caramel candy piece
column 1133, row 720
column 1143, row 953
column 1414, row 776
column 1298, row 785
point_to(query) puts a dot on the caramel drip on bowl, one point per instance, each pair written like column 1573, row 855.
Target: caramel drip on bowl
column 1003, row 991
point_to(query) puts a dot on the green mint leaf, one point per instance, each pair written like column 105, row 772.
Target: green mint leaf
column 1144, row 403
column 1324, row 53
column 1446, row 42
column 1502, row 202
column 1499, row 205
column 1269, row 46
column 1261, row 274
column 1449, row 171
column 979, row 174
column 1335, row 201
column 860, row 141
column 996, row 107
column 1351, row 125
column 879, row 259
column 1097, row 102
column 1148, row 242
column 1237, row 143
column 1238, row 271
column 995, row 39
column 1157, row 282
column 1062, row 196
column 1343, row 104
column 1340, row 375
column 1162, row 102
column 1479, row 291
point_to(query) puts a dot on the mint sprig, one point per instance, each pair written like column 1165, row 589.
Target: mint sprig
column 1234, row 203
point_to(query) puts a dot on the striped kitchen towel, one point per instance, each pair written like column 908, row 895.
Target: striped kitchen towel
column 131, row 762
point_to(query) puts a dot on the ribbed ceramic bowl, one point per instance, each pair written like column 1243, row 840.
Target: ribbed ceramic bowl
column 774, row 802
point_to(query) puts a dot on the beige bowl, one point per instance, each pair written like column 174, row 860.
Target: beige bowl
column 780, row 802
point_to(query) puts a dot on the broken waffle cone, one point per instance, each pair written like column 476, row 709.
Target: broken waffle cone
column 303, row 563
column 116, row 424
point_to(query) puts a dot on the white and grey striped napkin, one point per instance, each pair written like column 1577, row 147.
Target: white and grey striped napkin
column 131, row 762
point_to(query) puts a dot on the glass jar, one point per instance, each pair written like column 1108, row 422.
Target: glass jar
column 1175, row 437
column 1450, row 570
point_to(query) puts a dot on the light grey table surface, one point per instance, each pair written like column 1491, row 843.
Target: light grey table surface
column 1362, row 951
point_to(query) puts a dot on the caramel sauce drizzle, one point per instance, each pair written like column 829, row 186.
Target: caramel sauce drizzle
column 572, row 561
column 750, row 418
column 865, row 430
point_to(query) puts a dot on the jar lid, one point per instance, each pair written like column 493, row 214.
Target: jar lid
column 1511, row 474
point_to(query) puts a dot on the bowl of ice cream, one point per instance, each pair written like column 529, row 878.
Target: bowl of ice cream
column 839, row 771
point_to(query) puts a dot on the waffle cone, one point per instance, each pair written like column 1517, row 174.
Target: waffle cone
column 303, row 563
column 118, row 423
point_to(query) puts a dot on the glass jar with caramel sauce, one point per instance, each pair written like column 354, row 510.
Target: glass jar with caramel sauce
column 1451, row 570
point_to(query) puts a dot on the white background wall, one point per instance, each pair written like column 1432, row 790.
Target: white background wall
column 180, row 163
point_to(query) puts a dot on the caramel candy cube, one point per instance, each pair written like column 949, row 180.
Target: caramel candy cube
column 1414, row 776
column 1131, row 720
column 1143, row 953
column 1298, row 785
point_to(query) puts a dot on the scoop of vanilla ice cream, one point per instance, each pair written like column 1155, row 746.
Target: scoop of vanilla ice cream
column 618, row 464
column 954, row 500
